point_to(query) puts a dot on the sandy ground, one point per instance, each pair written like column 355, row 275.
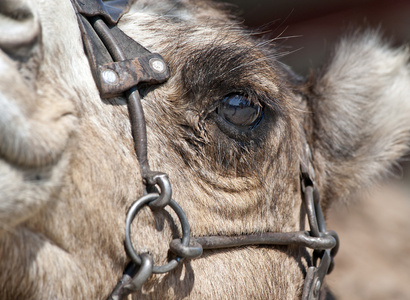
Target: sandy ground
column 374, row 257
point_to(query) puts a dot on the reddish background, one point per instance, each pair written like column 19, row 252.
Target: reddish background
column 313, row 26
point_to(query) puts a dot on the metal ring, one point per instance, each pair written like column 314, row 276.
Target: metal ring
column 335, row 249
column 164, row 198
column 311, row 211
column 142, row 275
column 192, row 251
column 132, row 212
column 320, row 219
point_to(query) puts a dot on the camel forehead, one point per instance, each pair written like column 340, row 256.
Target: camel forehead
column 176, row 31
column 208, row 58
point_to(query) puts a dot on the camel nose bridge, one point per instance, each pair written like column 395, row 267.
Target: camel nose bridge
column 19, row 27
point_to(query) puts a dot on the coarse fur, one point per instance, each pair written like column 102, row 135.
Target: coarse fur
column 68, row 171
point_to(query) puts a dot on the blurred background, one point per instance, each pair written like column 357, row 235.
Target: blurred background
column 374, row 258
column 309, row 28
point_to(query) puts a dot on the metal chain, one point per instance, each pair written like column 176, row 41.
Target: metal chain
column 142, row 267
column 315, row 274
column 187, row 249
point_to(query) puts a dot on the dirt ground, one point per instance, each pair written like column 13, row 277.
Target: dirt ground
column 374, row 257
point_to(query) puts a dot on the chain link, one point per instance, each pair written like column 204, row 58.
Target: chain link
column 316, row 273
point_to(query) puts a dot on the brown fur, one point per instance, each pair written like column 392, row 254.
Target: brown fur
column 69, row 171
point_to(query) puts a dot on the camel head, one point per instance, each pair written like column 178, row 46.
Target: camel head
column 230, row 128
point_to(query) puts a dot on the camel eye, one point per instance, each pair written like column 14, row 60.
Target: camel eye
column 237, row 110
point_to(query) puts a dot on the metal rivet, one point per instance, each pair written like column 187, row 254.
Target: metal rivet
column 110, row 76
column 157, row 65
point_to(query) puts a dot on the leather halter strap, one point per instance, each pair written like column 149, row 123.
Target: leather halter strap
column 119, row 64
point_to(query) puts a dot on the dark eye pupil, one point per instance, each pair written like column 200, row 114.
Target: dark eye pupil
column 239, row 111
